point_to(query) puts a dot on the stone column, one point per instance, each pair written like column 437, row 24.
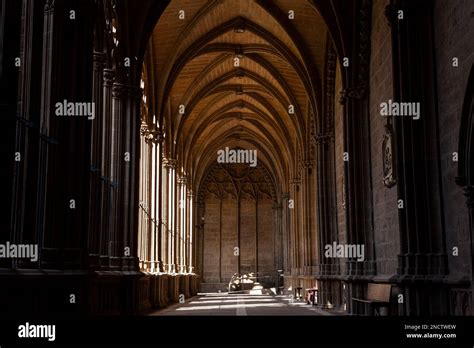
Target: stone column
column 357, row 171
column 158, row 136
column 178, row 210
column 325, row 198
column 143, row 236
column 130, row 177
column 15, row 116
column 149, row 141
column 278, row 233
column 190, row 238
column 294, row 226
column 106, row 184
column 165, row 215
column 115, row 168
column 154, row 154
column 124, row 174
column 96, row 162
column 422, row 240
column 50, row 70
column 64, row 147
column 172, row 209
column 199, row 238
column 285, row 225
column 327, row 223
column 181, row 225
column 22, row 229
column 306, row 241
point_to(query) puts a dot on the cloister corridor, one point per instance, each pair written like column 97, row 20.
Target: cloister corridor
column 242, row 305
column 209, row 157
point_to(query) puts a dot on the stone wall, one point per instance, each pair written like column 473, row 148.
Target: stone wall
column 266, row 252
column 229, row 239
column 248, row 221
column 454, row 34
column 256, row 241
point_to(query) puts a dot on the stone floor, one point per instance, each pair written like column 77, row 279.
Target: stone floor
column 242, row 304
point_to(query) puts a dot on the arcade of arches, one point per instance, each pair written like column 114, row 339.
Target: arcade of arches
column 131, row 208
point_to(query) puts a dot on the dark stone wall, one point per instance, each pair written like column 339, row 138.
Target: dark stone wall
column 454, row 32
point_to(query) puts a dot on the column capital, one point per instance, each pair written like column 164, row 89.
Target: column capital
column 182, row 179
column 99, row 60
column 109, row 77
column 146, row 133
column 358, row 92
column 306, row 164
column 322, row 138
column 49, row 6
column 170, row 163
column 157, row 136
column 144, row 129
column 120, row 90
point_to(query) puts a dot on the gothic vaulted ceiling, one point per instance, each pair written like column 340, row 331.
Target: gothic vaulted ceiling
column 237, row 68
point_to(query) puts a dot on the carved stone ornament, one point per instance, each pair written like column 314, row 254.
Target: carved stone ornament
column 237, row 181
column 388, row 158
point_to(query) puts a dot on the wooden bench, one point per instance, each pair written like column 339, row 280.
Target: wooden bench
column 378, row 296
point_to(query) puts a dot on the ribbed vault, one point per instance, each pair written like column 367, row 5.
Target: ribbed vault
column 236, row 73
